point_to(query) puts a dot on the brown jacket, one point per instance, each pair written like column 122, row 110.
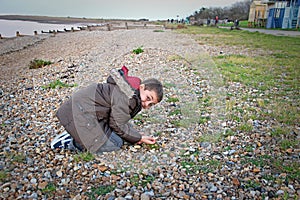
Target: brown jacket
column 92, row 113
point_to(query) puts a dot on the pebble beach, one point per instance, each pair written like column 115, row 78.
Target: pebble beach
column 180, row 166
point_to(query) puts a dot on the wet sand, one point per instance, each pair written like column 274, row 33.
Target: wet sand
column 61, row 20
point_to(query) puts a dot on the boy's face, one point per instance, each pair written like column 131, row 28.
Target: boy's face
column 149, row 98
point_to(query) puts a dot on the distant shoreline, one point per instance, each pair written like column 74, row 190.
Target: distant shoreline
column 21, row 25
column 58, row 20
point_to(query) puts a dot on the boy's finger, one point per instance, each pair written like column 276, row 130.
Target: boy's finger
column 152, row 141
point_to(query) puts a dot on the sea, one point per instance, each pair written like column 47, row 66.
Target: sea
column 8, row 28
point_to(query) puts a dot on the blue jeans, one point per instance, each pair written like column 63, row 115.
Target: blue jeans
column 114, row 143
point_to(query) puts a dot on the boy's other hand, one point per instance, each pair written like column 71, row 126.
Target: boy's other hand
column 147, row 140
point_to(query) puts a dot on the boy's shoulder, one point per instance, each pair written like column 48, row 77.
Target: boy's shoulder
column 116, row 78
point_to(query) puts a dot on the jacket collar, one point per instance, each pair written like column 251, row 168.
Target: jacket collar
column 138, row 106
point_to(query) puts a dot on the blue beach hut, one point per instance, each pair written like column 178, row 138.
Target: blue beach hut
column 291, row 17
column 284, row 14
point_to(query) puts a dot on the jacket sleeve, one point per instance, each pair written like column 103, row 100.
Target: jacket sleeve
column 120, row 115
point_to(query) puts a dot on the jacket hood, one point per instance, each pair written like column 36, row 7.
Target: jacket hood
column 133, row 81
column 117, row 79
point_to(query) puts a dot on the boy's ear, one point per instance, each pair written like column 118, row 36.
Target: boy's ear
column 142, row 86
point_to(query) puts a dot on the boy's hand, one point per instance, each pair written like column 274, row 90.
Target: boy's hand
column 147, row 140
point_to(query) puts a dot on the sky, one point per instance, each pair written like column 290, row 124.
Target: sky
column 110, row 9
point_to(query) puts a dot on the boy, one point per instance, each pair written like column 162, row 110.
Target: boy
column 96, row 117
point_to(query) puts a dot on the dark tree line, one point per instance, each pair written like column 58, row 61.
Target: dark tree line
column 238, row 10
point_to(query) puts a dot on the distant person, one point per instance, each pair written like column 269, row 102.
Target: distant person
column 216, row 20
column 96, row 118
column 208, row 22
column 236, row 23
column 187, row 20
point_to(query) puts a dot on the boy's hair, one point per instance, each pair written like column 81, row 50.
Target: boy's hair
column 153, row 84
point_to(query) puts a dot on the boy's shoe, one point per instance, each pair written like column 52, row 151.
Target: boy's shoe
column 63, row 140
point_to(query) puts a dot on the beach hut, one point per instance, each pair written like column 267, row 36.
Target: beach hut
column 274, row 14
column 291, row 17
column 258, row 14
column 283, row 14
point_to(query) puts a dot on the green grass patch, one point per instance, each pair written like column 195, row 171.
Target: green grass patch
column 243, row 23
column 3, row 175
column 174, row 112
column 191, row 167
column 230, row 104
column 134, row 179
column 257, row 161
column 142, row 180
column 16, row 157
column 169, row 85
column 174, row 57
column 38, row 63
column 263, row 70
column 292, row 168
column 172, row 99
column 212, row 138
column 147, row 179
column 156, row 134
column 138, row 119
column 177, row 123
column 286, row 144
column 278, row 131
column 245, row 127
column 138, row 50
column 203, row 120
column 228, row 132
column 153, row 120
column 49, row 190
column 285, row 113
column 19, row 158
column 101, row 190
column 152, row 146
column 205, row 101
column 269, row 177
column 175, row 26
column 249, row 148
column 58, row 84
column 276, row 164
column 252, row 184
column 270, row 64
column 84, row 156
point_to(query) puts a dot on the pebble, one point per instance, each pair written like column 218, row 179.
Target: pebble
column 189, row 161
column 59, row 173
column 280, row 192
